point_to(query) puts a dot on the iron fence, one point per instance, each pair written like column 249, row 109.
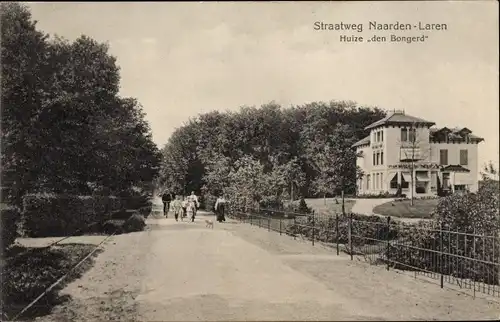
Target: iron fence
column 468, row 261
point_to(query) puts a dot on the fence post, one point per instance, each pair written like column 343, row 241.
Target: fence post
column 269, row 221
column 337, row 232
column 441, row 254
column 350, row 235
column 388, row 241
column 313, row 229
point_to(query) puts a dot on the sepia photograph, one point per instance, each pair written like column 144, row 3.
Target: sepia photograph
column 250, row 161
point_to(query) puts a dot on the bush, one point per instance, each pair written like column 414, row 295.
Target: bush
column 113, row 226
column 47, row 215
column 135, row 223
column 10, row 219
column 365, row 229
column 380, row 195
column 303, row 208
column 271, row 203
column 457, row 214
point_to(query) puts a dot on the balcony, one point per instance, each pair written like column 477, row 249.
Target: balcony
column 408, row 154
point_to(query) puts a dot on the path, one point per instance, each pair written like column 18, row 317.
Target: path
column 184, row 271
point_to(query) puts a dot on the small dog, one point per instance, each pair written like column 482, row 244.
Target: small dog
column 209, row 223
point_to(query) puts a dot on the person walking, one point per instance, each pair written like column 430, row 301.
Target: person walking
column 177, row 207
column 220, row 207
column 193, row 200
column 166, row 198
column 184, row 205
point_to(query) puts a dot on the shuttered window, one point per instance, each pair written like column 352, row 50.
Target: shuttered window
column 443, row 157
column 464, row 157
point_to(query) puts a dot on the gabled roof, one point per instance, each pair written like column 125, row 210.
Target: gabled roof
column 399, row 118
column 363, row 141
column 454, row 168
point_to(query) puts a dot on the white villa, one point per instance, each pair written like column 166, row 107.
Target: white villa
column 441, row 158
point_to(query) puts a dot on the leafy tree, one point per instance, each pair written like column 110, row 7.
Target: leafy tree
column 23, row 60
column 63, row 121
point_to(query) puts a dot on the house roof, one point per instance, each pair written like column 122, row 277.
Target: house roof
column 455, row 133
column 454, row 168
column 363, row 141
column 398, row 118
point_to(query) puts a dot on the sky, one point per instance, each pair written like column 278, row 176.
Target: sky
column 182, row 59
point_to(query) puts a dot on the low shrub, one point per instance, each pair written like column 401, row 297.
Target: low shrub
column 299, row 207
column 113, row 226
column 365, row 229
column 380, row 195
column 47, row 215
column 10, row 219
column 135, row 223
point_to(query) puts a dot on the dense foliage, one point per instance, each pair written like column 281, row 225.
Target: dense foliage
column 269, row 154
column 65, row 215
column 64, row 127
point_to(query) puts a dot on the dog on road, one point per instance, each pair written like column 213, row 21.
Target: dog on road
column 209, row 223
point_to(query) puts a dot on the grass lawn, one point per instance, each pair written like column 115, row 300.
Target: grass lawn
column 422, row 208
column 331, row 207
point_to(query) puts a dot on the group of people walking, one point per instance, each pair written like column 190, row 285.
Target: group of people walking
column 184, row 206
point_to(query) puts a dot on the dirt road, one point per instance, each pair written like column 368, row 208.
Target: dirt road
column 185, row 271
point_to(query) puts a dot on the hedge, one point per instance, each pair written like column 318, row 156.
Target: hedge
column 46, row 215
column 366, row 230
column 10, row 218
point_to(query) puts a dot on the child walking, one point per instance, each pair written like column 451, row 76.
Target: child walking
column 184, row 206
column 177, row 207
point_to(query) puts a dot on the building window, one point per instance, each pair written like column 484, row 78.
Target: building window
column 463, row 157
column 394, row 182
column 404, row 135
column 443, row 157
column 412, row 135
column 381, row 157
column 374, row 163
column 382, row 136
column 378, row 136
column 376, row 180
column 367, row 182
column 378, row 158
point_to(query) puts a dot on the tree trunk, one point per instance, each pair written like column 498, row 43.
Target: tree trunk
column 343, row 204
column 291, row 193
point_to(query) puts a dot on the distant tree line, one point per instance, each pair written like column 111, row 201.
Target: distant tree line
column 266, row 154
column 64, row 128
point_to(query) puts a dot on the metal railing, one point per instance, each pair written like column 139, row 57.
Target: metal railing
column 465, row 261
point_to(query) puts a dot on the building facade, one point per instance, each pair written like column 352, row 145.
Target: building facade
column 402, row 150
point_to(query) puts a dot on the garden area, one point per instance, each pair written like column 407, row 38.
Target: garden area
column 422, row 208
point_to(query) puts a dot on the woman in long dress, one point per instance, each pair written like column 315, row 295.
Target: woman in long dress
column 220, row 207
